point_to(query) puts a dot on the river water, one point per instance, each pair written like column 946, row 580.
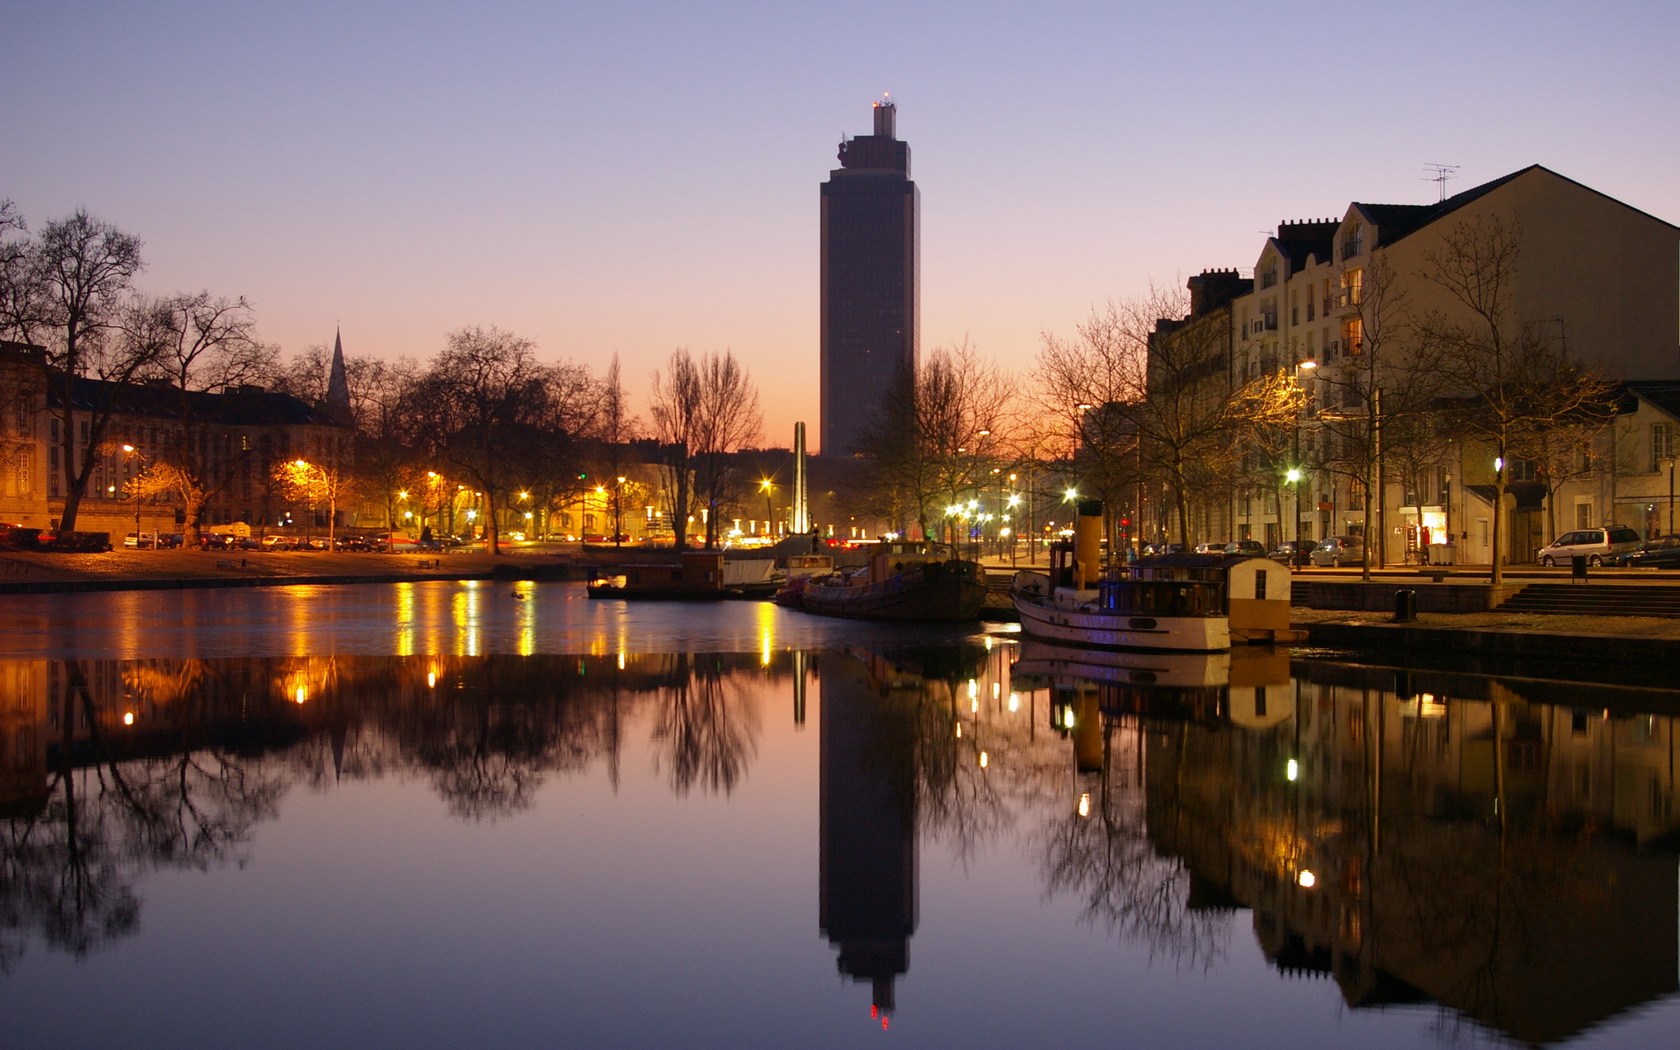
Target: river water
column 446, row 814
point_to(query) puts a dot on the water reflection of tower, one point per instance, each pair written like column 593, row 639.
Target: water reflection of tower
column 868, row 881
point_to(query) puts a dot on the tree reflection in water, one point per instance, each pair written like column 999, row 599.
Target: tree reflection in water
column 117, row 768
column 708, row 729
column 1101, row 852
column 68, row 868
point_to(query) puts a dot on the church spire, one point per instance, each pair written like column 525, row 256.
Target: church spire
column 338, row 384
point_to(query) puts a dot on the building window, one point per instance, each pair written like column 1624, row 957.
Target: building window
column 1353, row 337
column 1353, row 283
column 1583, row 515
column 1662, row 444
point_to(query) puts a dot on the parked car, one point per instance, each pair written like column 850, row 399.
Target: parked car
column 1292, row 552
column 1663, row 552
column 1337, row 551
column 1210, row 548
column 395, row 543
column 1599, row 546
column 144, row 541
column 277, row 542
column 1252, row 548
column 1163, row 548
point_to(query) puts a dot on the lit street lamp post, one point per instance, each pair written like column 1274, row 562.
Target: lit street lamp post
column 1294, row 478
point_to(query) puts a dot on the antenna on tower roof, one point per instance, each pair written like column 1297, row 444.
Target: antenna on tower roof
column 1440, row 173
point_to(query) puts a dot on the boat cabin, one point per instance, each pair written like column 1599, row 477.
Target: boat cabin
column 897, row 557
column 1252, row 592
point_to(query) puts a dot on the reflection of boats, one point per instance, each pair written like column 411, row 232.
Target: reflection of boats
column 1173, row 601
column 1246, row 686
column 1040, row 660
column 904, row 580
column 705, row 575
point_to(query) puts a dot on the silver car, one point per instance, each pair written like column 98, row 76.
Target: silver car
column 1600, row 546
column 1337, row 551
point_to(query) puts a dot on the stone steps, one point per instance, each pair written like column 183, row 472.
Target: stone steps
column 1595, row 599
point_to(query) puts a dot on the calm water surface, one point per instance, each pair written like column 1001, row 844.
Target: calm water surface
column 446, row 814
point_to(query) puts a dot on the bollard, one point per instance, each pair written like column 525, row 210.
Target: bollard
column 1578, row 567
column 1405, row 606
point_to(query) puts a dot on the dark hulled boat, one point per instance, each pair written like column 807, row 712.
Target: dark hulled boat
column 904, row 580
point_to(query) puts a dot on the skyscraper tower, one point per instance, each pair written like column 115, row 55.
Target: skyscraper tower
column 870, row 270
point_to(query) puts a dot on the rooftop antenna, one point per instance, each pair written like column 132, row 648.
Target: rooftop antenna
column 1440, row 173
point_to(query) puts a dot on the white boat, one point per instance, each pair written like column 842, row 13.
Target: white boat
column 1125, row 613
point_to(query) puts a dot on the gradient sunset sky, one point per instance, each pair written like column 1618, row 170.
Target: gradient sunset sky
column 633, row 177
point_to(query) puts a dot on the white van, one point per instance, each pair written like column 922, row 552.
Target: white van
column 1595, row 545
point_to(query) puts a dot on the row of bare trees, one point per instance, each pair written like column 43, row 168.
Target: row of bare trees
column 1157, row 402
column 485, row 412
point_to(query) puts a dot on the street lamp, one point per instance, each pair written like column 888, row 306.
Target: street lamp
column 618, row 513
column 1446, row 498
column 137, row 454
column 768, row 487
column 1294, row 479
column 316, row 482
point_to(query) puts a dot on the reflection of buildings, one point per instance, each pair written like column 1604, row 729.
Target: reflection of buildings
column 23, row 744
column 1461, row 843
column 868, row 883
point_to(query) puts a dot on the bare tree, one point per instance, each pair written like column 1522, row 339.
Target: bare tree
column 80, row 271
column 306, row 375
column 21, row 307
column 1513, row 374
column 729, row 419
column 1381, row 408
column 1170, row 400
column 934, row 442
column 676, row 409
column 480, row 408
column 1076, row 382
column 199, row 344
column 314, row 484
column 616, row 428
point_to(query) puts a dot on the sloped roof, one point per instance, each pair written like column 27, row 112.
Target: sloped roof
column 1665, row 394
column 1396, row 221
column 245, row 406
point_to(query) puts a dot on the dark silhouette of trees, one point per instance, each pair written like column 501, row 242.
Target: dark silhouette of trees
column 935, row 440
column 67, row 293
column 701, row 411
column 197, row 344
column 481, row 408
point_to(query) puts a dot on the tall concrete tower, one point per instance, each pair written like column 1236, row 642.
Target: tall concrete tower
column 870, row 268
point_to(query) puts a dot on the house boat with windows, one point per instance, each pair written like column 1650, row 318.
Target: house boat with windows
column 1193, row 602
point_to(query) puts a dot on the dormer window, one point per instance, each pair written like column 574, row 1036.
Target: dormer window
column 1353, row 242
